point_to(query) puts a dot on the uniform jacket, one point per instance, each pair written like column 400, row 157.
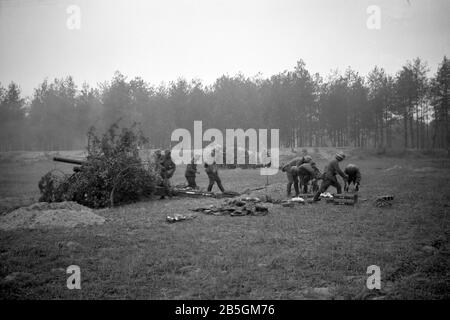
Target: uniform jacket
column 211, row 170
column 309, row 169
column 293, row 163
column 191, row 170
column 353, row 172
column 168, row 166
column 332, row 169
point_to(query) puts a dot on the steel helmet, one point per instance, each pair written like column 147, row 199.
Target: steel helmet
column 340, row 156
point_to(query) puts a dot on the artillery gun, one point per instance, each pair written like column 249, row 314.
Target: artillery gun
column 70, row 161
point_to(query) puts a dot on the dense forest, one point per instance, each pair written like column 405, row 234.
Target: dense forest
column 407, row 110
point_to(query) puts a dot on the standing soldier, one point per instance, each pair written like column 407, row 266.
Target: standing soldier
column 288, row 169
column 191, row 171
column 167, row 170
column 308, row 172
column 354, row 176
column 213, row 176
column 329, row 176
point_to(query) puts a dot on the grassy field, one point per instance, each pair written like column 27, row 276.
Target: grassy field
column 283, row 255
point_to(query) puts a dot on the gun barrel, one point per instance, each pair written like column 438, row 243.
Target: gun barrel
column 68, row 160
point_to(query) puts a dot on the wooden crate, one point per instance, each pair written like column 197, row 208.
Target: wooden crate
column 345, row 198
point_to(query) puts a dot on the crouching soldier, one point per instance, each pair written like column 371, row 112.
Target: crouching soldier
column 296, row 162
column 168, row 168
column 329, row 176
column 213, row 176
column 308, row 172
column 353, row 176
column 191, row 171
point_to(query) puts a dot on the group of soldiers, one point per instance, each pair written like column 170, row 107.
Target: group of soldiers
column 211, row 170
column 165, row 168
column 303, row 171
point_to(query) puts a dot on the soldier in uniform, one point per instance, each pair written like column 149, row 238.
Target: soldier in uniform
column 296, row 162
column 167, row 170
column 213, row 176
column 329, row 176
column 191, row 171
column 308, row 172
column 354, row 176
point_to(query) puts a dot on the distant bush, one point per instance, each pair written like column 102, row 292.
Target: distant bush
column 113, row 172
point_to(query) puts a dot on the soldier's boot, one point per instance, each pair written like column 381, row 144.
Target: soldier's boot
column 323, row 187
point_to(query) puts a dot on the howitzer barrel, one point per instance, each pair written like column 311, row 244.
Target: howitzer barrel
column 68, row 160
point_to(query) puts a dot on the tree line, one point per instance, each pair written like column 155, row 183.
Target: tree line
column 408, row 109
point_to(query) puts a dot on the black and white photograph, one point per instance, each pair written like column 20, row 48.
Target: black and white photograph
column 224, row 155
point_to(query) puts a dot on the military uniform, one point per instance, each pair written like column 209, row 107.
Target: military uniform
column 167, row 170
column 329, row 176
column 293, row 176
column 353, row 176
column 191, row 171
column 213, row 176
column 308, row 172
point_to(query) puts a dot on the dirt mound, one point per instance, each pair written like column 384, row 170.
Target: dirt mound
column 50, row 215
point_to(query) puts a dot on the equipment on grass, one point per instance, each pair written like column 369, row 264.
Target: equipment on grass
column 384, row 201
column 345, row 199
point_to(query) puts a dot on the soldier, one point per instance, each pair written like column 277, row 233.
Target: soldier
column 288, row 169
column 308, row 172
column 167, row 170
column 329, row 176
column 213, row 176
column 191, row 171
column 354, row 176
column 294, row 173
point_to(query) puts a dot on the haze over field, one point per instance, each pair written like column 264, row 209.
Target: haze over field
column 164, row 40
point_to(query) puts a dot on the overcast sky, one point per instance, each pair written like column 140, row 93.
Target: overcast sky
column 165, row 40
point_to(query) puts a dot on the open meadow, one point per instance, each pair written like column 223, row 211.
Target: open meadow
column 288, row 254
